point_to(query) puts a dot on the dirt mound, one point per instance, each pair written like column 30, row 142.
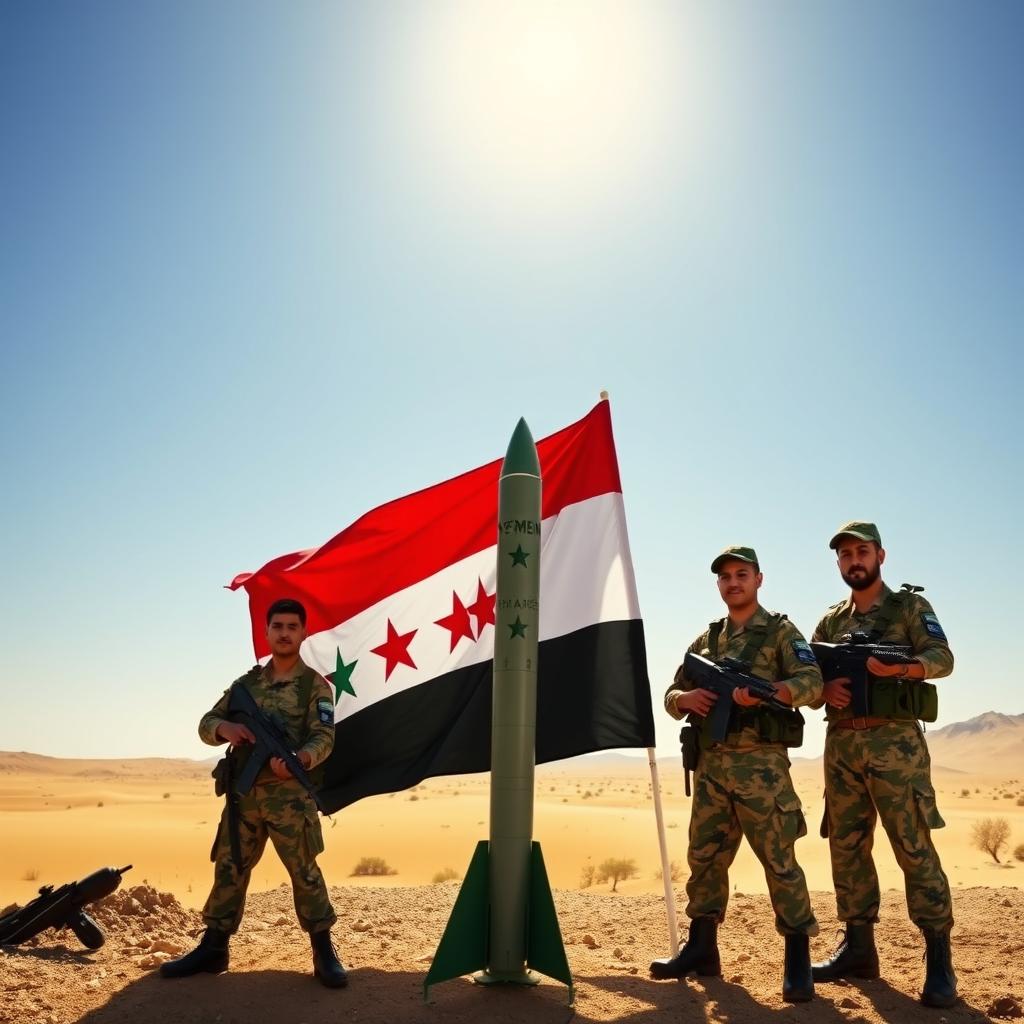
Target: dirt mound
column 387, row 936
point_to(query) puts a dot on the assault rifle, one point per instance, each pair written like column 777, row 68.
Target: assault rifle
column 722, row 678
column 62, row 908
column 271, row 741
column 848, row 660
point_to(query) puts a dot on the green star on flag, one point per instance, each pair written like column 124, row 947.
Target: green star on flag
column 518, row 629
column 343, row 677
column 519, row 556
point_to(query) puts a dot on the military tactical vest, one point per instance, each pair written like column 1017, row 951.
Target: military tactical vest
column 307, row 680
column 772, row 725
column 902, row 700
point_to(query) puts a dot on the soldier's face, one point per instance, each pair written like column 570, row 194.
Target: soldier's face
column 738, row 584
column 860, row 562
column 284, row 634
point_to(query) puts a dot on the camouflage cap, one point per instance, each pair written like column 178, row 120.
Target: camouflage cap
column 858, row 530
column 734, row 553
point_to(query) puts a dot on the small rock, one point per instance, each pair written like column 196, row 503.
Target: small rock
column 736, row 979
column 849, row 1004
column 281, row 920
column 1007, row 1007
column 589, row 941
column 361, row 925
column 93, row 984
column 742, row 958
column 165, row 946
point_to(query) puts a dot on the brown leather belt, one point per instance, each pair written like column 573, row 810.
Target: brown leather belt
column 861, row 723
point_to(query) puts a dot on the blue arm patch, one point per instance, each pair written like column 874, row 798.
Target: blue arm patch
column 932, row 627
column 325, row 710
column 803, row 652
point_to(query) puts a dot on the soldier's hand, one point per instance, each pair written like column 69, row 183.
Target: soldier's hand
column 742, row 696
column 235, row 733
column 282, row 771
column 837, row 692
column 879, row 668
column 700, row 701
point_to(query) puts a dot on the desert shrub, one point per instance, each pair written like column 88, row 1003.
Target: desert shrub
column 167, row 796
column 965, row 792
column 373, row 866
column 446, row 875
column 1018, row 852
column 1020, row 801
column 675, row 871
column 587, row 876
column 989, row 835
column 615, row 870
column 31, row 874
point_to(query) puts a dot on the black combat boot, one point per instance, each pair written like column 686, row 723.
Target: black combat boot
column 939, row 977
column 210, row 955
column 856, row 956
column 700, row 953
column 797, row 982
column 326, row 965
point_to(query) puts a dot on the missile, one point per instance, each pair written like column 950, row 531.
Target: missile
column 504, row 920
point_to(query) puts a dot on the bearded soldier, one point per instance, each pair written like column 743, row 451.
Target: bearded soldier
column 877, row 766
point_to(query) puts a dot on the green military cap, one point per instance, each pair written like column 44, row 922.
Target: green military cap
column 861, row 531
column 737, row 553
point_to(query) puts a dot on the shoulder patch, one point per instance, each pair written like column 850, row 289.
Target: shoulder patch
column 932, row 627
column 325, row 710
column 803, row 652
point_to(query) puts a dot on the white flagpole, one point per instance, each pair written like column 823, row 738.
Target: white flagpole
column 659, row 817
column 666, row 873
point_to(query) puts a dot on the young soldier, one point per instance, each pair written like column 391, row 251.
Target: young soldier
column 742, row 786
column 277, row 805
column 878, row 766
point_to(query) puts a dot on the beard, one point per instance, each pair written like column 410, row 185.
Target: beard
column 861, row 582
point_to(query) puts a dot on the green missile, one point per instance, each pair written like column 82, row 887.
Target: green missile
column 504, row 918
column 514, row 709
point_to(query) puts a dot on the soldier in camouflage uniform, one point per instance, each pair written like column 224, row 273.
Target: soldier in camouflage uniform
column 878, row 767
column 742, row 786
column 277, row 806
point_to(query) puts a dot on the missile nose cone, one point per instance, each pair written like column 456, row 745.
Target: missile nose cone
column 521, row 456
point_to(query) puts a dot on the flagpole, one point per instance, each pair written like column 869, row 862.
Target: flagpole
column 666, row 872
column 659, row 817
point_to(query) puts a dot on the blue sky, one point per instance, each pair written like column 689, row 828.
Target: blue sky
column 266, row 266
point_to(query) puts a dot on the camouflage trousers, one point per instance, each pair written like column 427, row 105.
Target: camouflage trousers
column 883, row 772
column 747, row 793
column 283, row 811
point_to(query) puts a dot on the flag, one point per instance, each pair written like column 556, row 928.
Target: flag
column 400, row 619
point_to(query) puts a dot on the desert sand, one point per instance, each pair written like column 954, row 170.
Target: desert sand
column 61, row 819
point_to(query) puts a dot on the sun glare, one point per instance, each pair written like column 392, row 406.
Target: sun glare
column 539, row 108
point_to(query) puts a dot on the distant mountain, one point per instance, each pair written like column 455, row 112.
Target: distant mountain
column 991, row 743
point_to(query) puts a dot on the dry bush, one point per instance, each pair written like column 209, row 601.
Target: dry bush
column 373, row 866
column 990, row 835
column 675, row 871
column 615, row 870
column 31, row 874
column 587, row 876
column 1018, row 852
column 446, row 875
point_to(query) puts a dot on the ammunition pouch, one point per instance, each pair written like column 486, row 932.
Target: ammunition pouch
column 901, row 700
column 773, row 726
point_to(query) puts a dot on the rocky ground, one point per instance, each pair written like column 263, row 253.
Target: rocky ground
column 387, row 937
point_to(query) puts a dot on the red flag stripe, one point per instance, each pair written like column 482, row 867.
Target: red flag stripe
column 408, row 539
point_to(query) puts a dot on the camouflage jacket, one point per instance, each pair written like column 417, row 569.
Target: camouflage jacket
column 310, row 728
column 786, row 658
column 914, row 623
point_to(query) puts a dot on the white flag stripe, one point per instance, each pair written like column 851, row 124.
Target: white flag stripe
column 586, row 578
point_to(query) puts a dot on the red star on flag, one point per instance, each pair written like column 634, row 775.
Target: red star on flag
column 457, row 623
column 395, row 650
column 482, row 608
